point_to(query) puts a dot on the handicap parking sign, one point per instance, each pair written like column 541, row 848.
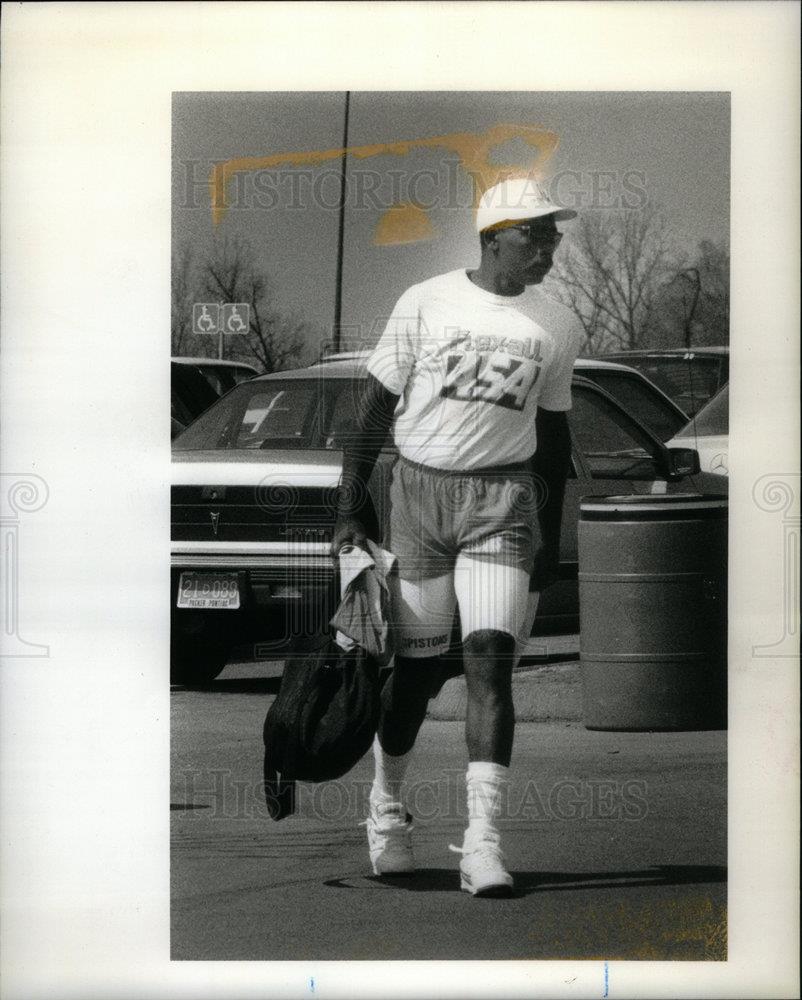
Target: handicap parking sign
column 205, row 317
column 236, row 317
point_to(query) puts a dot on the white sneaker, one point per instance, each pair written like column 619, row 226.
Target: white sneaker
column 390, row 839
column 482, row 871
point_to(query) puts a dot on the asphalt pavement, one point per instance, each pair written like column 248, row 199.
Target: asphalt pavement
column 617, row 842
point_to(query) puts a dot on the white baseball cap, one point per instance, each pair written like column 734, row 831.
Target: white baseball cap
column 515, row 199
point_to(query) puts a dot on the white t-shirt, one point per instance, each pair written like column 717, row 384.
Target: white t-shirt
column 471, row 370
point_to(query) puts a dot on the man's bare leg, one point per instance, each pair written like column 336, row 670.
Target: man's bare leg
column 404, row 699
column 489, row 657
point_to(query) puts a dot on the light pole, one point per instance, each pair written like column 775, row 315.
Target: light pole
column 338, row 290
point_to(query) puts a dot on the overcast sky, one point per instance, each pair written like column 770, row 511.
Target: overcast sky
column 670, row 149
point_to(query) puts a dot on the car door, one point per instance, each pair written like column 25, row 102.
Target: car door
column 611, row 454
column 615, row 453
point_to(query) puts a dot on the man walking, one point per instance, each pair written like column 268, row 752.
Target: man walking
column 476, row 393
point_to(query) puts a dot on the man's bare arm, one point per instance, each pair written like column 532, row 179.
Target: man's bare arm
column 551, row 464
column 374, row 416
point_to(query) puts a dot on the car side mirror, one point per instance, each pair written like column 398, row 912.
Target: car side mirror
column 682, row 462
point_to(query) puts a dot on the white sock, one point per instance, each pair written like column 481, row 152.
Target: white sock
column 486, row 784
column 389, row 776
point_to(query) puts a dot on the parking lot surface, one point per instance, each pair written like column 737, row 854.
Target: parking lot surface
column 617, row 842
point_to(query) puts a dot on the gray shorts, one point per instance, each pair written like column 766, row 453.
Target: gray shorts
column 487, row 514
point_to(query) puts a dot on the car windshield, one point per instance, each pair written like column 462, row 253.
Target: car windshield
column 637, row 397
column 712, row 420
column 282, row 413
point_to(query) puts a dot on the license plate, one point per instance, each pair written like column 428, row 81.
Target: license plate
column 208, row 590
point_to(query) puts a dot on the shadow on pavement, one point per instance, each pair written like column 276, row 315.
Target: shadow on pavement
column 527, row 883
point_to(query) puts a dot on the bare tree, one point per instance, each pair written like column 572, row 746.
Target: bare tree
column 712, row 314
column 230, row 273
column 274, row 338
column 611, row 274
column 181, row 337
column 694, row 307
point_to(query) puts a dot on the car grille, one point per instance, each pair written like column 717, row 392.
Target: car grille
column 227, row 514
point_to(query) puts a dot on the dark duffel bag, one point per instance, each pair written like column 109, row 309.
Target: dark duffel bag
column 321, row 723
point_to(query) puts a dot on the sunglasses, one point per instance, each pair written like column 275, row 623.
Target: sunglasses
column 537, row 235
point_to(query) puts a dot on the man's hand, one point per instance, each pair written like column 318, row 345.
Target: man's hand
column 546, row 569
column 348, row 531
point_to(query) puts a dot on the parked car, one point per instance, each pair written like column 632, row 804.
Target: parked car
column 190, row 397
column 633, row 390
column 637, row 394
column 254, row 494
column 689, row 377
column 708, row 433
column 220, row 374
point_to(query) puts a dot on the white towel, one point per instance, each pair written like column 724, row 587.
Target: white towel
column 362, row 618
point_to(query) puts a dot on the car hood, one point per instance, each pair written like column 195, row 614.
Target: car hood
column 249, row 468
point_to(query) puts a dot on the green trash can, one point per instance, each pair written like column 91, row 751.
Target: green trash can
column 653, row 612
